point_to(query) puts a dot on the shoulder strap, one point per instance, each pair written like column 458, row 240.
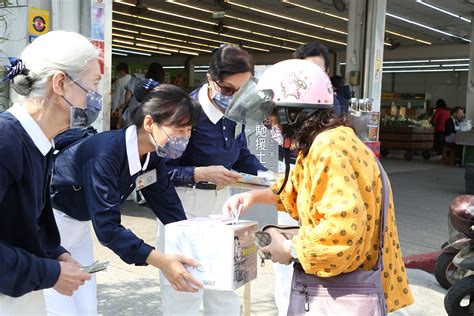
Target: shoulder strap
column 383, row 211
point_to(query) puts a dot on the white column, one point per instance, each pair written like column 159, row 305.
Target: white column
column 470, row 80
column 355, row 41
column 374, row 47
column 75, row 15
column 365, row 45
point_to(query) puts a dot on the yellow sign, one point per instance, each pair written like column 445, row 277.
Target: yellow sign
column 38, row 21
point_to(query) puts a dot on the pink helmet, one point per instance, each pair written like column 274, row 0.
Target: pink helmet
column 298, row 83
column 293, row 83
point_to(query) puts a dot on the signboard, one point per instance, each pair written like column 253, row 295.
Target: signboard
column 261, row 144
column 100, row 47
column 38, row 21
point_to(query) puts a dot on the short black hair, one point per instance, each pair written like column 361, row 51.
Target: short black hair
column 456, row 108
column 121, row 67
column 440, row 103
column 313, row 49
column 167, row 105
column 336, row 81
column 229, row 60
column 156, row 72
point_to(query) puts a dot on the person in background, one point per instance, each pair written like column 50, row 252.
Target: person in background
column 156, row 72
column 439, row 121
column 54, row 78
column 317, row 54
column 451, row 127
column 92, row 178
column 121, row 82
column 342, row 92
column 202, row 175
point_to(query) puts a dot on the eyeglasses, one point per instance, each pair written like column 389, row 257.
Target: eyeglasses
column 227, row 91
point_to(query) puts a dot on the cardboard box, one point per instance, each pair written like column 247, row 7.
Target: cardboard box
column 226, row 252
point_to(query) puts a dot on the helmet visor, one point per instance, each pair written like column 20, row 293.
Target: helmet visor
column 250, row 105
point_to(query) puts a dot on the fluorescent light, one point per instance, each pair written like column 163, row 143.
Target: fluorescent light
column 129, row 51
column 406, row 61
column 142, row 49
column 200, row 70
column 286, row 17
column 346, row 19
column 423, row 70
column 123, row 30
column 162, row 43
column 445, row 60
column 456, row 65
column 426, row 26
column 443, row 10
column 263, row 24
column 202, row 30
column 120, row 54
column 314, row 10
column 122, row 41
column 408, row 37
column 412, row 66
column 173, row 67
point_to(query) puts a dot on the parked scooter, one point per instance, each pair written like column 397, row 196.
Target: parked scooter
column 459, row 300
column 446, row 272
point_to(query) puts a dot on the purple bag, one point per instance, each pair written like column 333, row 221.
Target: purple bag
column 358, row 293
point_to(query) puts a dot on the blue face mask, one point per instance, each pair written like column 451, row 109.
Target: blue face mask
column 221, row 100
column 85, row 117
column 173, row 149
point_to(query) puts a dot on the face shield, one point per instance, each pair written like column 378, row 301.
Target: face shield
column 250, row 105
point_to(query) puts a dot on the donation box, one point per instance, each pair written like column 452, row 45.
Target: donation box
column 226, row 252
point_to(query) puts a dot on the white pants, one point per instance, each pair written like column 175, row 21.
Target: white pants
column 197, row 203
column 28, row 304
column 283, row 273
column 75, row 238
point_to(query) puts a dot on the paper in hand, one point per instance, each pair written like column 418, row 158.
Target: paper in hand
column 96, row 267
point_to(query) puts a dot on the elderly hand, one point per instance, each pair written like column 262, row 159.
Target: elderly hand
column 279, row 250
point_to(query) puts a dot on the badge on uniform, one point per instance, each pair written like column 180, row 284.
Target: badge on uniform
column 146, row 179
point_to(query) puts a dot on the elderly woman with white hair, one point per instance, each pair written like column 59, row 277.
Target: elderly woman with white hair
column 57, row 78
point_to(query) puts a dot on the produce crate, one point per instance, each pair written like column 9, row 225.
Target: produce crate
column 408, row 138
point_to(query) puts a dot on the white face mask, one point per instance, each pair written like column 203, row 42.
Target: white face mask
column 277, row 135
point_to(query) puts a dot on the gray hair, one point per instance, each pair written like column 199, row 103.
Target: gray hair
column 55, row 51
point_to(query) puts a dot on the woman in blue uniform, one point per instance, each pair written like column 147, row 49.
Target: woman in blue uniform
column 203, row 173
column 93, row 177
column 31, row 258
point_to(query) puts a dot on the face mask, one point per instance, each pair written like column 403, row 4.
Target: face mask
column 80, row 117
column 277, row 136
column 221, row 100
column 173, row 149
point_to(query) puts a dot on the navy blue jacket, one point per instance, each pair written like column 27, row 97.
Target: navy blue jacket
column 213, row 144
column 29, row 238
column 92, row 178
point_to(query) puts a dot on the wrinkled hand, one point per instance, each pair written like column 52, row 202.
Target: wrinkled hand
column 174, row 271
column 231, row 206
column 279, row 251
column 218, row 175
column 66, row 257
column 70, row 278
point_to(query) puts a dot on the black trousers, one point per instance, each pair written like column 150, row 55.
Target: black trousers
column 439, row 142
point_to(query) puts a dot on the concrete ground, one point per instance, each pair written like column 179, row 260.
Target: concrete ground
column 422, row 192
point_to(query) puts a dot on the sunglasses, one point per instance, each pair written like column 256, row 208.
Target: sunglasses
column 227, row 91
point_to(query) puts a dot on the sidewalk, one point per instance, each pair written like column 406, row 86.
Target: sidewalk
column 422, row 193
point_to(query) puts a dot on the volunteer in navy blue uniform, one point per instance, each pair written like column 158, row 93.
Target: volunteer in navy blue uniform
column 92, row 177
column 202, row 175
column 31, row 258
